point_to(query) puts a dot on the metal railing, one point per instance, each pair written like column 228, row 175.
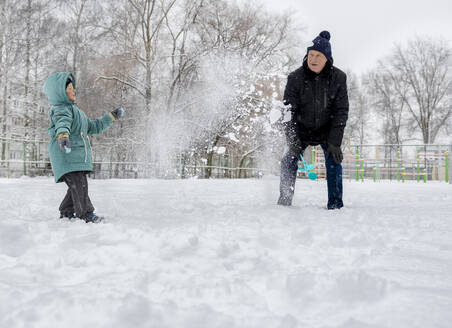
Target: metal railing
column 22, row 157
column 421, row 163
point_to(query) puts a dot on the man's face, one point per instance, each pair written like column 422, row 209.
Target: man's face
column 316, row 61
column 70, row 92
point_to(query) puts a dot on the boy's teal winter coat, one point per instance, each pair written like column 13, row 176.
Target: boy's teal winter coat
column 65, row 116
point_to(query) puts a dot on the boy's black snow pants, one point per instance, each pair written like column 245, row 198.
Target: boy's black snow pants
column 76, row 200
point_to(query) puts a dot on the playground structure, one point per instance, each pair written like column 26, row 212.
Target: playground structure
column 420, row 163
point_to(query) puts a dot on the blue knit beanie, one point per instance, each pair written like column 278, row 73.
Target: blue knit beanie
column 322, row 43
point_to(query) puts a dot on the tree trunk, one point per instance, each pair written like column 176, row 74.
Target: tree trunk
column 5, row 112
column 3, row 77
column 77, row 38
column 241, row 166
column 210, row 158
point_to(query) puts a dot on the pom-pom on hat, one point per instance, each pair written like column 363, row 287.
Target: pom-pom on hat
column 322, row 43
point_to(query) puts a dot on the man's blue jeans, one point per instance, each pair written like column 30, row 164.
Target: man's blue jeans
column 289, row 167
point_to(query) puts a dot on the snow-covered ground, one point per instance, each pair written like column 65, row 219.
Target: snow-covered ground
column 220, row 253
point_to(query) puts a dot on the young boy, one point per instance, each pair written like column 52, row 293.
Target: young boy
column 69, row 147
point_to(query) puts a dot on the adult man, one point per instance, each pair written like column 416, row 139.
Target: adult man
column 316, row 94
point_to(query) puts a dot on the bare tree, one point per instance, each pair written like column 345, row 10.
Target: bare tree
column 80, row 17
column 421, row 76
column 150, row 15
column 184, row 53
column 256, row 41
column 139, row 35
column 10, row 29
column 357, row 123
column 389, row 104
column 247, row 30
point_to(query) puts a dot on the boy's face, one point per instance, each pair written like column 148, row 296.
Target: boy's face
column 70, row 91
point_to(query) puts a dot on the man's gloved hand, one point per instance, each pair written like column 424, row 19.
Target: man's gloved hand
column 286, row 111
column 118, row 113
column 63, row 142
column 335, row 152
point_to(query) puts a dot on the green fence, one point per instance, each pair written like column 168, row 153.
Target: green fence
column 400, row 163
column 421, row 163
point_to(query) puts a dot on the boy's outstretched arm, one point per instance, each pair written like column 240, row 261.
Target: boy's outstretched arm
column 103, row 123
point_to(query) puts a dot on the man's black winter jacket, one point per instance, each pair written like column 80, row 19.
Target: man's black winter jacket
column 319, row 105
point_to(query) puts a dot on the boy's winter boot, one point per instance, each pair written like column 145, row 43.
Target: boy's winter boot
column 91, row 217
column 69, row 215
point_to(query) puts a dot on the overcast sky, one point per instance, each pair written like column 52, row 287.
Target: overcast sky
column 363, row 31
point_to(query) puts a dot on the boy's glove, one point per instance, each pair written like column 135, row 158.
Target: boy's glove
column 335, row 152
column 63, row 142
column 118, row 113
